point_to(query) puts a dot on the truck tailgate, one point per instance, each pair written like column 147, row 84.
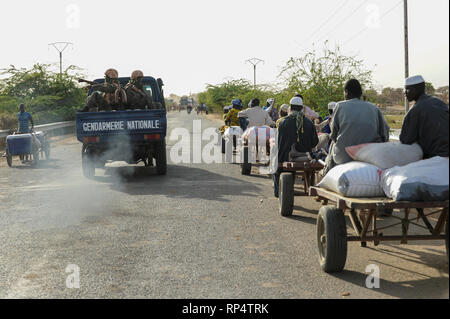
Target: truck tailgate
column 135, row 124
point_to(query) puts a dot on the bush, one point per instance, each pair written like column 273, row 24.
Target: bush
column 48, row 96
column 8, row 121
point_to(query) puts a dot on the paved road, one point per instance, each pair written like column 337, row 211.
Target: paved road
column 202, row 231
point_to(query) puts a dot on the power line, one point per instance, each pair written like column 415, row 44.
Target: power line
column 367, row 28
column 345, row 19
column 327, row 20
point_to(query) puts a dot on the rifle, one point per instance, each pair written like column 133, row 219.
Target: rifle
column 88, row 82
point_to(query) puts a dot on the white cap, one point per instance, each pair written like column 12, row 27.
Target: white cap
column 296, row 101
column 270, row 100
column 413, row 80
column 284, row 108
column 331, row 105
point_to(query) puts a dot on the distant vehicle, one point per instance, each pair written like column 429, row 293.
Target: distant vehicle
column 184, row 101
column 132, row 136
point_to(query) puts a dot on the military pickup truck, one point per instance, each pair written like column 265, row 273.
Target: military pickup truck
column 132, row 136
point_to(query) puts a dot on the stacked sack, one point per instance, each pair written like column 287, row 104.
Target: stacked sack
column 232, row 131
column 390, row 169
column 259, row 135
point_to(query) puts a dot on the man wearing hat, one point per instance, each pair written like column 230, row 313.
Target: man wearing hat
column 136, row 95
column 427, row 121
column 294, row 130
column 107, row 95
column 231, row 118
column 269, row 104
column 354, row 122
column 284, row 111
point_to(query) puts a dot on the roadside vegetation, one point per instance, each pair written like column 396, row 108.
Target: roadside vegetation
column 48, row 96
column 320, row 78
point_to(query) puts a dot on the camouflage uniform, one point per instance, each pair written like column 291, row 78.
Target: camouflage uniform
column 108, row 95
column 137, row 97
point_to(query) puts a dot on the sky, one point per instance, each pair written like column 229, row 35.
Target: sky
column 191, row 43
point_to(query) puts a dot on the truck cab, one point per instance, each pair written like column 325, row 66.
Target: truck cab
column 132, row 136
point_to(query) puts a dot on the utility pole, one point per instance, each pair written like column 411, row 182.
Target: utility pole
column 254, row 62
column 60, row 47
column 405, row 9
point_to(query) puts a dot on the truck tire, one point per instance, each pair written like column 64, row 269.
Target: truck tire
column 246, row 167
column 161, row 158
column 331, row 239
column 286, row 194
column 87, row 164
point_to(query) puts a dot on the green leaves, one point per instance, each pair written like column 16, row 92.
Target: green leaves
column 49, row 96
column 320, row 78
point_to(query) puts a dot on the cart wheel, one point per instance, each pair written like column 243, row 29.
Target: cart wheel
column 331, row 239
column 161, row 158
column 87, row 164
column 47, row 152
column 223, row 145
column 286, row 191
column 8, row 158
column 246, row 167
column 35, row 158
column 446, row 234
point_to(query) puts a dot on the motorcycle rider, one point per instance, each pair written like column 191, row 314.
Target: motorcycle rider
column 255, row 116
column 231, row 118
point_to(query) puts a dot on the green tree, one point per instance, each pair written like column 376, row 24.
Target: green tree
column 320, row 78
column 372, row 96
column 391, row 96
column 429, row 88
column 442, row 93
column 49, row 96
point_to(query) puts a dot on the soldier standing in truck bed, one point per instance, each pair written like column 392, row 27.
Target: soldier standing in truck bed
column 137, row 97
column 108, row 95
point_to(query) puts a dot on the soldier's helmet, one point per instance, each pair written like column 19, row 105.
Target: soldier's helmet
column 137, row 74
column 112, row 73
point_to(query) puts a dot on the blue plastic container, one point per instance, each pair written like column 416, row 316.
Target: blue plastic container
column 19, row 144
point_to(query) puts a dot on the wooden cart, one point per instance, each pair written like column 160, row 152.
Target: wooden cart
column 331, row 226
column 307, row 170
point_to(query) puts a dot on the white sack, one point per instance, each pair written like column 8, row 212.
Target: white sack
column 386, row 155
column 262, row 133
column 354, row 179
column 232, row 131
column 425, row 180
